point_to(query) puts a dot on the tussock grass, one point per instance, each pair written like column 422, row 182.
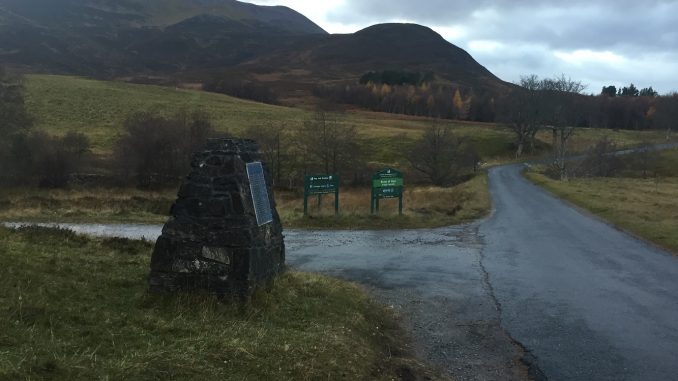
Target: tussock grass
column 646, row 207
column 423, row 207
column 74, row 308
column 667, row 165
column 86, row 205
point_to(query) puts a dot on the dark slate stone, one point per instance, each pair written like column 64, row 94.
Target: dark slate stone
column 200, row 191
column 212, row 241
column 198, row 179
column 237, row 204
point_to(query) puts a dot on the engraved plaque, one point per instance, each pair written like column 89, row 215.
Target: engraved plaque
column 262, row 205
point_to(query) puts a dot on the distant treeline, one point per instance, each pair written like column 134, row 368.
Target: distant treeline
column 439, row 101
column 626, row 108
column 628, row 91
column 397, row 77
column 417, row 93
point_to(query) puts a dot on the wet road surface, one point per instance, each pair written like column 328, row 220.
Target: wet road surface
column 537, row 281
column 590, row 302
column 435, row 282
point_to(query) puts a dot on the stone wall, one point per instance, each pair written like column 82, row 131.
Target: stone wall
column 212, row 240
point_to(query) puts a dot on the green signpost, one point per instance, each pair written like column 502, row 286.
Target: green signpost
column 387, row 183
column 320, row 185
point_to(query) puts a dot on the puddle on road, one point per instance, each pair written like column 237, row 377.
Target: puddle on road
column 131, row 231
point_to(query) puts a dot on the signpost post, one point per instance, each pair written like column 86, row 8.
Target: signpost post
column 320, row 185
column 387, row 183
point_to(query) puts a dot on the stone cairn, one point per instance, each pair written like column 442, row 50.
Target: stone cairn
column 212, row 240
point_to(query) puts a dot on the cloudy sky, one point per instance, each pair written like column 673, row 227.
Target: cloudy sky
column 600, row 42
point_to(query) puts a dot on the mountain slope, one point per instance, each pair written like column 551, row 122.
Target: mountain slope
column 122, row 37
column 385, row 46
column 150, row 13
column 198, row 39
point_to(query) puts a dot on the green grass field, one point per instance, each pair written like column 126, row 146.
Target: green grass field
column 61, row 104
column 75, row 308
column 98, row 109
column 646, row 207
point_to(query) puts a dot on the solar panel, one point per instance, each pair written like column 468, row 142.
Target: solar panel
column 262, row 204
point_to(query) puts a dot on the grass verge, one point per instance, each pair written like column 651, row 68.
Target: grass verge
column 76, row 308
column 646, row 207
column 424, row 207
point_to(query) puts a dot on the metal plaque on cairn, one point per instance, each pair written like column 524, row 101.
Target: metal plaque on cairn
column 262, row 204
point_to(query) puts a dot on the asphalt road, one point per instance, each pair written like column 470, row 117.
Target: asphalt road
column 435, row 282
column 537, row 280
column 588, row 301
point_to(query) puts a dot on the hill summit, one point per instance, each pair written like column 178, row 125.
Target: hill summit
column 148, row 13
column 384, row 46
column 106, row 38
column 200, row 39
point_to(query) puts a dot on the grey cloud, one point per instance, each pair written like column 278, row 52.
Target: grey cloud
column 509, row 62
column 645, row 33
column 588, row 27
column 577, row 24
column 431, row 11
column 436, row 11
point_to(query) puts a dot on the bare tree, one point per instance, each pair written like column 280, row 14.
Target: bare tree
column 666, row 116
column 552, row 103
column 13, row 114
column 326, row 144
column 442, row 156
column 14, row 123
column 562, row 110
column 646, row 160
column 274, row 142
column 47, row 161
column 562, row 84
column 600, row 161
column 519, row 111
column 156, row 150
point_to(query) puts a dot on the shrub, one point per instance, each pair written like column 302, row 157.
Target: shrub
column 156, row 150
column 601, row 161
column 37, row 158
column 444, row 158
column 13, row 114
